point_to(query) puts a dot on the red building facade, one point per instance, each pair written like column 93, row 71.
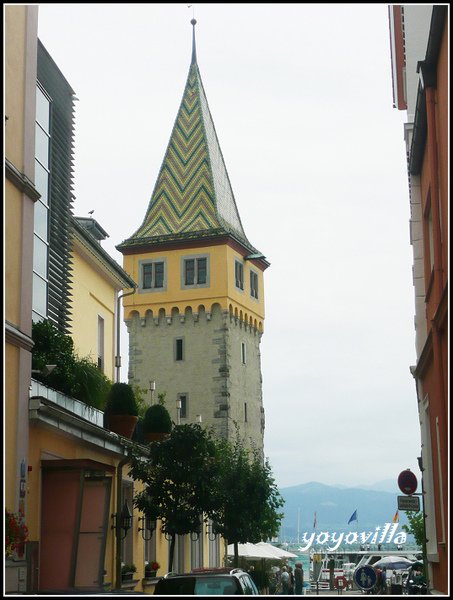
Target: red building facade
column 428, row 162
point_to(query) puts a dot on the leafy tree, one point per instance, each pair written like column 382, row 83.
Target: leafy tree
column 248, row 500
column 416, row 527
column 178, row 479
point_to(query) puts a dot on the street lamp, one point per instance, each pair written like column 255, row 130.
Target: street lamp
column 152, row 389
column 178, row 411
column 148, row 529
column 122, row 521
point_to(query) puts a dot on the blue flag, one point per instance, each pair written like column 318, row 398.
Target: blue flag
column 353, row 517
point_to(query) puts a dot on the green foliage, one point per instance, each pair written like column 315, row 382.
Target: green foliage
column 77, row 377
column 178, row 479
column 121, row 400
column 128, row 569
column 247, row 496
column 157, row 419
column 140, row 398
column 416, row 527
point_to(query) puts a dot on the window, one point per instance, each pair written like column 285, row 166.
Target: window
column 179, row 349
column 195, row 271
column 153, row 275
column 183, row 410
column 239, row 274
column 243, row 353
column 245, row 412
column 41, row 208
column 254, row 284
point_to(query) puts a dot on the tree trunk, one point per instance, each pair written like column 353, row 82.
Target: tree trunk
column 236, row 554
column 172, row 551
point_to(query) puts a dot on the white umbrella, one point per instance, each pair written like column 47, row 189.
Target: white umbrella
column 276, row 552
column 393, row 562
column 249, row 550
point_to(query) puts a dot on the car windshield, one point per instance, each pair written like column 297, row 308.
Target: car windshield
column 198, row 586
column 215, row 586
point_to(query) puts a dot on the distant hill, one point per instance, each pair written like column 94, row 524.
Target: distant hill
column 334, row 505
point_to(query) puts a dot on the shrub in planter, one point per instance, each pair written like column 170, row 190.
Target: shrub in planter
column 157, row 421
column 127, row 572
column 122, row 410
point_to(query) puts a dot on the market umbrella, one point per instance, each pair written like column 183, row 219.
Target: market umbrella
column 252, row 551
column 393, row 562
column 276, row 552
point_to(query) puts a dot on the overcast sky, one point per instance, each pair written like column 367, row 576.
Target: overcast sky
column 301, row 98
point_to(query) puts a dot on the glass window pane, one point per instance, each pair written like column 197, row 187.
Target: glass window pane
column 147, row 275
column 201, row 275
column 159, row 274
column 40, row 257
column 42, row 146
column 39, row 295
column 42, row 109
column 41, row 213
column 190, row 272
column 42, row 182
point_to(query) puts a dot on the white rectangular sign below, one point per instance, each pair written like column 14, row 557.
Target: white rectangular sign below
column 409, row 503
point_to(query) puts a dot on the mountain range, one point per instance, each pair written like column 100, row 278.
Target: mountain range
column 335, row 505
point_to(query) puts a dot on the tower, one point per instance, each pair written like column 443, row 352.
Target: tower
column 196, row 320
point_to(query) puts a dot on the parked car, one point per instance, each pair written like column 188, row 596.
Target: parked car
column 207, row 582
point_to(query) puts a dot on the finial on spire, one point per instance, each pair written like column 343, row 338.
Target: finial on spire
column 193, row 22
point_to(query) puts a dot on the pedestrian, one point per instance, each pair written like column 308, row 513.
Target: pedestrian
column 291, row 580
column 384, row 581
column 284, row 578
column 298, row 578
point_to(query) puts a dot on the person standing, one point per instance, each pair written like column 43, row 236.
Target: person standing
column 298, row 578
column 284, row 578
column 291, row 580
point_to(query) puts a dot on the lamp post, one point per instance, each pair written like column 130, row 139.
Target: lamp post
column 178, row 411
column 152, row 389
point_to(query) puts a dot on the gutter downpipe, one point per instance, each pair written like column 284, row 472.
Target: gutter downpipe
column 119, row 479
column 118, row 343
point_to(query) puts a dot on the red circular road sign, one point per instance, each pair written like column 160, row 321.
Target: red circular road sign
column 407, row 482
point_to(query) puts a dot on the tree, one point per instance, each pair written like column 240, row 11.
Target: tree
column 416, row 527
column 178, row 477
column 248, row 500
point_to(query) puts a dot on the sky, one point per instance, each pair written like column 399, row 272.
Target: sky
column 301, row 98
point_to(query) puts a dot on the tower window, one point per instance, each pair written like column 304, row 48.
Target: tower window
column 239, row 274
column 243, row 353
column 179, row 349
column 152, row 275
column 245, row 412
column 254, row 284
column 195, row 271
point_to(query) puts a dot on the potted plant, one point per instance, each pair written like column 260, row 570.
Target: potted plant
column 156, row 423
column 127, row 572
column 16, row 535
column 121, row 409
column 151, row 568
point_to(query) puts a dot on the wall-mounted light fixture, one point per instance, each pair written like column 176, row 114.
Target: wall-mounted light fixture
column 152, row 389
column 212, row 531
column 122, row 522
column 148, row 529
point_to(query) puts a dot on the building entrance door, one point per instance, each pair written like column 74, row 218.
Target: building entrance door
column 74, row 521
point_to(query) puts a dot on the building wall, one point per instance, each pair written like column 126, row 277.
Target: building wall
column 20, row 76
column 221, row 289
column 211, row 373
column 92, row 296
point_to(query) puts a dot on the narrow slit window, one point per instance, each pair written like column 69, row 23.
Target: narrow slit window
column 179, row 349
column 243, row 353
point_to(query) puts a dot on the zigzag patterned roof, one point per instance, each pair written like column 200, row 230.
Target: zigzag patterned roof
column 192, row 196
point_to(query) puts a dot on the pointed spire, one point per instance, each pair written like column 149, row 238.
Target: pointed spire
column 194, row 48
